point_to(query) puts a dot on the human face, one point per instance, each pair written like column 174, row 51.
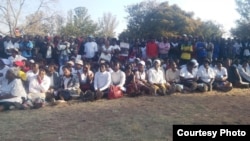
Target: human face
column 78, row 66
column 219, row 65
column 116, row 67
column 102, row 68
column 140, row 67
column 157, row 65
column 42, row 73
column 66, row 72
column 206, row 65
column 174, row 67
column 35, row 68
column 86, row 67
column 51, row 69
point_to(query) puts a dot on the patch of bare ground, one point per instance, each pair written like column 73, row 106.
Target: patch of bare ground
column 144, row 118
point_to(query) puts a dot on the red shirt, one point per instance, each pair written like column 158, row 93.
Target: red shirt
column 152, row 50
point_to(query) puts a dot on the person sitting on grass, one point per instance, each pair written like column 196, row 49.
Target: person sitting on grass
column 118, row 77
column 221, row 76
column 131, row 86
column 141, row 79
column 173, row 77
column 188, row 77
column 12, row 92
column 102, row 82
column 234, row 75
column 86, row 78
column 156, row 79
column 54, row 81
column 70, row 87
column 38, row 87
column 244, row 71
column 205, row 76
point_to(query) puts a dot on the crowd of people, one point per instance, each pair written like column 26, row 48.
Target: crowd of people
column 39, row 70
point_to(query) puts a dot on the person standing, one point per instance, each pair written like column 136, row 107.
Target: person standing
column 164, row 48
column 152, row 49
column 90, row 49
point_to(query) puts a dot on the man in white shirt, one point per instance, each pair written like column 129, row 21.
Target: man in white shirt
column 33, row 72
column 90, row 49
column 156, row 79
column 118, row 77
column 102, row 82
column 188, row 76
column 206, row 76
column 15, row 56
column 12, row 92
column 38, row 87
column 8, row 45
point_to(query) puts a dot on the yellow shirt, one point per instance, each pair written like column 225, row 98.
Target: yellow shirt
column 22, row 75
column 186, row 52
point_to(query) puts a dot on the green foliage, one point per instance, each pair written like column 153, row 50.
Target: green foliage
column 242, row 29
column 79, row 24
column 150, row 18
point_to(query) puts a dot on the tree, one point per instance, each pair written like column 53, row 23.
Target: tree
column 79, row 23
column 209, row 29
column 243, row 24
column 11, row 13
column 107, row 25
column 150, row 18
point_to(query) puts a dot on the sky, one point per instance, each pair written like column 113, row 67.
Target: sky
column 221, row 11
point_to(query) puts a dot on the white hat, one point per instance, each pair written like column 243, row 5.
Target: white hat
column 158, row 61
column 79, row 62
column 142, row 63
column 32, row 61
column 71, row 63
column 195, row 62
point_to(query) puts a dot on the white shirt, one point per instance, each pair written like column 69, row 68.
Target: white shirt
column 7, row 46
column 118, row 78
column 186, row 74
column 115, row 47
column 35, row 87
column 64, row 48
column 30, row 75
column 155, row 76
column 244, row 73
column 205, row 75
column 220, row 73
column 84, row 77
column 106, row 53
column 14, row 88
column 102, row 80
column 140, row 75
column 173, row 76
column 90, row 48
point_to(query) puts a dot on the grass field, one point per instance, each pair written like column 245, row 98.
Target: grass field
column 144, row 118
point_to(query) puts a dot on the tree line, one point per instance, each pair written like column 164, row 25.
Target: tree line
column 145, row 19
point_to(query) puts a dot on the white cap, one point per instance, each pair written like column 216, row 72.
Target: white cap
column 195, row 62
column 142, row 62
column 158, row 61
column 79, row 62
column 71, row 63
